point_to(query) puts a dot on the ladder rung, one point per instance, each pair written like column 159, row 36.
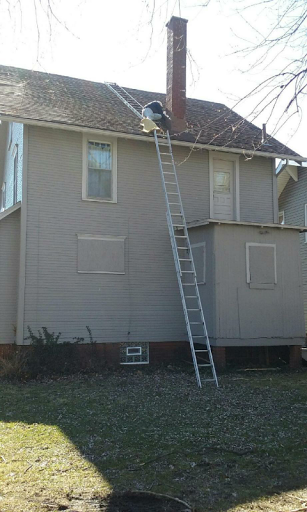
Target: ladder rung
column 172, row 193
column 193, row 309
column 201, row 350
column 191, row 297
column 178, row 225
column 176, row 214
column 180, row 236
column 199, row 336
column 208, row 380
column 190, row 284
column 169, row 154
column 167, row 163
column 170, row 183
column 196, row 323
column 187, row 271
column 183, row 248
column 185, row 259
column 174, row 203
column 199, row 365
column 167, row 172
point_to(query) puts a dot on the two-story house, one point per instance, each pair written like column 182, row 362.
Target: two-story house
column 83, row 233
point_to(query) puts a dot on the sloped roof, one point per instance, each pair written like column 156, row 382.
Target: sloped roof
column 37, row 96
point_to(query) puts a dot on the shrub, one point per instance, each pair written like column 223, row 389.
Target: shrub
column 14, row 365
column 47, row 356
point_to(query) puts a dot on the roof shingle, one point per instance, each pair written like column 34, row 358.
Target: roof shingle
column 33, row 95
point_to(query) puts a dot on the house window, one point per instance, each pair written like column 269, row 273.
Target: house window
column 3, row 197
column 99, row 173
column 199, row 257
column 132, row 353
column 15, row 174
column 281, row 217
column 261, row 266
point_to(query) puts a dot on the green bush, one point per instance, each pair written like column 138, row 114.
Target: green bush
column 14, row 365
column 48, row 355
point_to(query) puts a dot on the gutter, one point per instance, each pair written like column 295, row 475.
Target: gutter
column 122, row 135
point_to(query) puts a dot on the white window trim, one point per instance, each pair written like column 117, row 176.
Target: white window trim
column 248, row 274
column 3, row 197
column 10, row 136
column 15, row 175
column 201, row 244
column 229, row 158
column 139, row 353
column 100, row 237
column 113, row 144
column 305, row 222
column 282, row 213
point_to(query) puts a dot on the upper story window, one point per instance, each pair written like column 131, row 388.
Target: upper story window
column 99, row 170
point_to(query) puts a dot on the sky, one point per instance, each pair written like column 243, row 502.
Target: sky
column 125, row 42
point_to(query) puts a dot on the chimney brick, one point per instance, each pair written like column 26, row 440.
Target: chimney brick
column 176, row 67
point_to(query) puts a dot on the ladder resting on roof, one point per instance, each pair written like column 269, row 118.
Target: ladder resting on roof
column 182, row 252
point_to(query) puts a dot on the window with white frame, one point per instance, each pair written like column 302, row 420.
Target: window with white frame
column 99, row 170
column 281, row 217
column 3, row 197
column 15, row 178
column 305, row 222
column 134, row 353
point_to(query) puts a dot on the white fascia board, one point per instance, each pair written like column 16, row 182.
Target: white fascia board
column 84, row 129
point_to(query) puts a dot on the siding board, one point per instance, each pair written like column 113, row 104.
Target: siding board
column 9, row 270
column 144, row 304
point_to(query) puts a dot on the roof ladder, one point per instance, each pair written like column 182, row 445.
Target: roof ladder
column 182, row 252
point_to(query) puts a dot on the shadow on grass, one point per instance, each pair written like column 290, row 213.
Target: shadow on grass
column 156, row 431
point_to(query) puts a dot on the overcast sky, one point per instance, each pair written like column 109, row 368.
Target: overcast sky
column 112, row 40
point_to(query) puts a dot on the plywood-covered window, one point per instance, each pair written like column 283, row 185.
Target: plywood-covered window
column 199, row 256
column 261, row 269
column 101, row 254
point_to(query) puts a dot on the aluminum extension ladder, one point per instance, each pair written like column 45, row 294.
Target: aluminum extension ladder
column 182, row 252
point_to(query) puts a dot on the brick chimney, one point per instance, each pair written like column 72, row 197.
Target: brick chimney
column 176, row 71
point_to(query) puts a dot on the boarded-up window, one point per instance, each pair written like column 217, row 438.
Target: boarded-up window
column 101, row 254
column 261, row 265
column 199, row 256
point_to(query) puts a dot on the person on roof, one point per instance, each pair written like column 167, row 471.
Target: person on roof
column 154, row 112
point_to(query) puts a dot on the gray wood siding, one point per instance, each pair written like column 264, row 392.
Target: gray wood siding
column 9, row 271
column 256, row 190
column 292, row 200
column 257, row 316
column 144, row 304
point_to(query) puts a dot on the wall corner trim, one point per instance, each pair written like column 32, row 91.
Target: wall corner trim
column 23, row 241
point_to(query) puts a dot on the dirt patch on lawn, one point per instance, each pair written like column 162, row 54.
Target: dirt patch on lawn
column 141, row 502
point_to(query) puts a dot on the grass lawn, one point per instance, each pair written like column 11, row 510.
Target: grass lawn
column 242, row 447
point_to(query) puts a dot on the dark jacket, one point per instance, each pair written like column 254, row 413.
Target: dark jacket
column 156, row 107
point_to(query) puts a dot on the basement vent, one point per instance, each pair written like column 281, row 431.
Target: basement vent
column 134, row 353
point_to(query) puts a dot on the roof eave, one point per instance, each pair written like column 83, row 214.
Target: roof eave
column 209, row 147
